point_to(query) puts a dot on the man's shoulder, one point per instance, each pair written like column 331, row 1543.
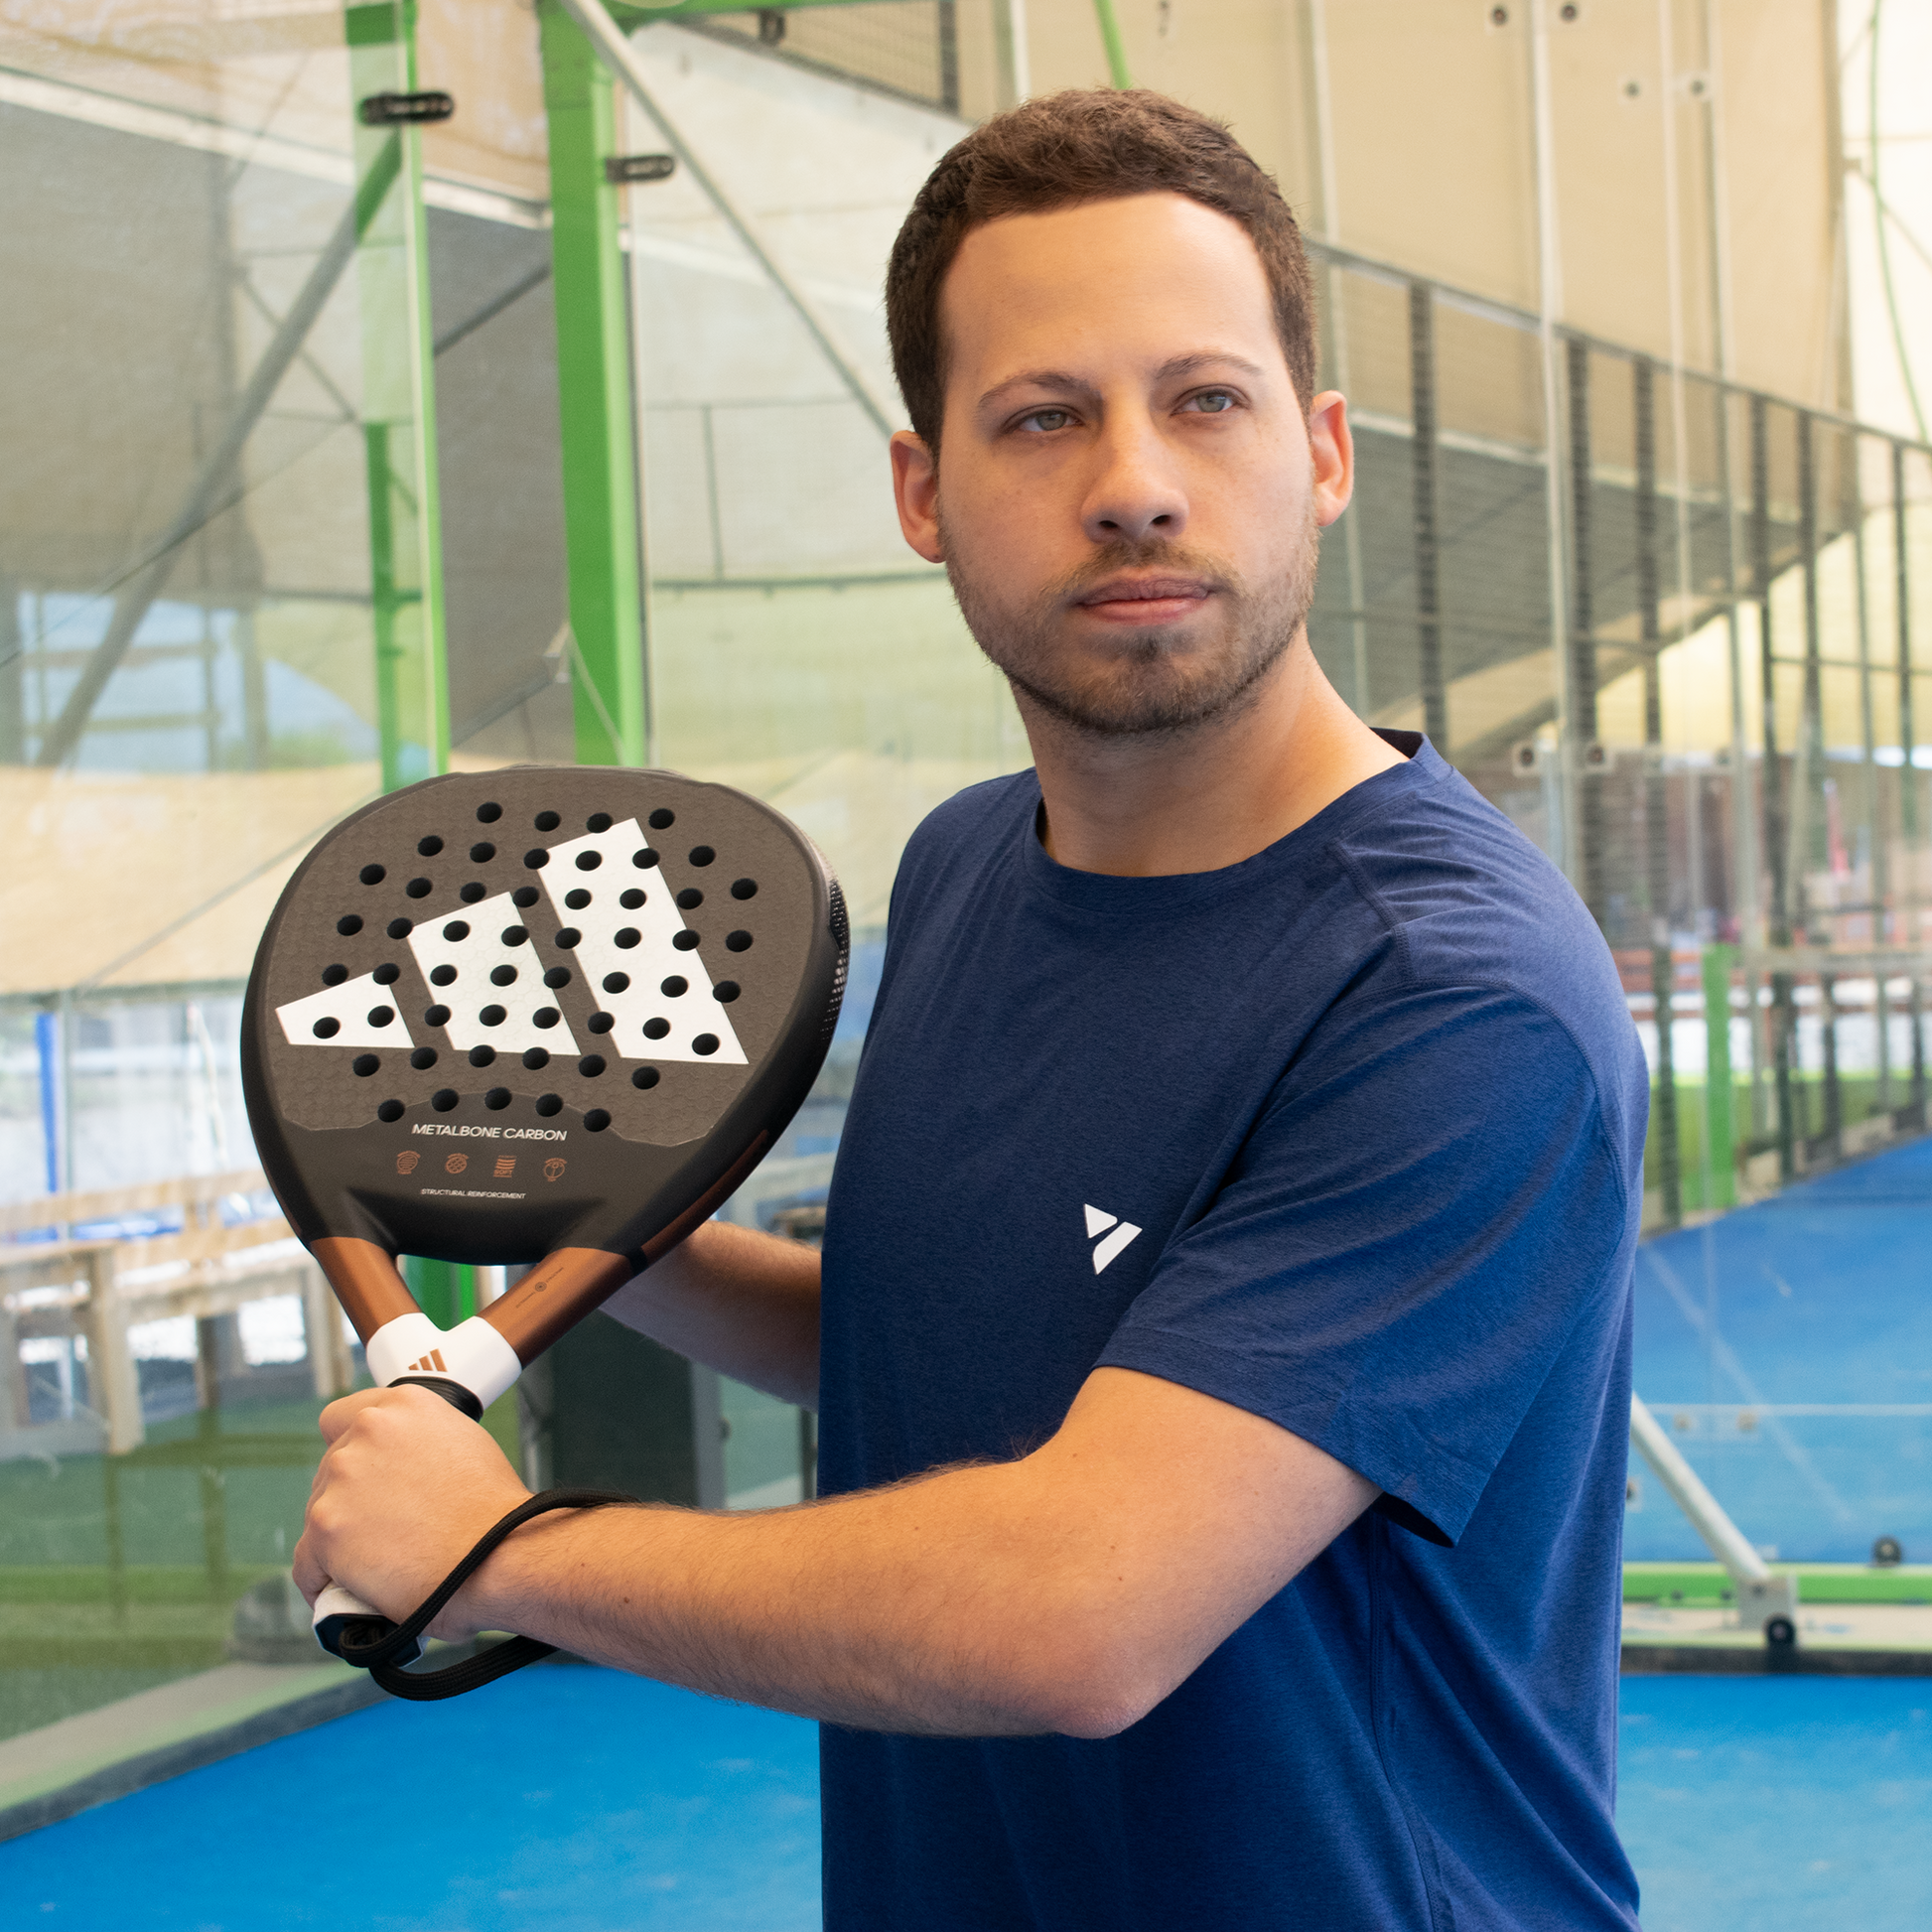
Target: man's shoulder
column 1467, row 898
column 1457, row 875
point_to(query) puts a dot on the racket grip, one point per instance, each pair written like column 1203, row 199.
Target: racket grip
column 339, row 1610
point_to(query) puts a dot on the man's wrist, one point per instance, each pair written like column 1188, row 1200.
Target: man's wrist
column 517, row 1585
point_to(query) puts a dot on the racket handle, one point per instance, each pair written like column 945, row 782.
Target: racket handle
column 339, row 1610
column 472, row 1356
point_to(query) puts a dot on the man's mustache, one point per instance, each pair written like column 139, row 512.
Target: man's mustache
column 1167, row 558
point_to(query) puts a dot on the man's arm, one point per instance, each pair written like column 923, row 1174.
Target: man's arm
column 742, row 1303
column 1069, row 1591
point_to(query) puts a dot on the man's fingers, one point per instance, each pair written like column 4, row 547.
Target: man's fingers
column 344, row 1410
column 310, row 1575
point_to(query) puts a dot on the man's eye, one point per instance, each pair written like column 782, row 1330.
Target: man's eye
column 1211, row 402
column 1046, row 420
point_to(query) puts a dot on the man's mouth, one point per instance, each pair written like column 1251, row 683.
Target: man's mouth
column 1145, row 600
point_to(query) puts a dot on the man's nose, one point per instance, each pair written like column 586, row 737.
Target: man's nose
column 1137, row 493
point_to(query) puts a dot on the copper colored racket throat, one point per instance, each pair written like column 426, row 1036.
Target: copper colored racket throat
column 549, row 1300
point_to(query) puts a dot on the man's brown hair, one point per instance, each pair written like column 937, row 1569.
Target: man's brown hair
column 1084, row 145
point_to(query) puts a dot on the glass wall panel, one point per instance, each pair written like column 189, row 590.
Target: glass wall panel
column 1369, row 644
column 796, row 647
column 221, row 603
column 1499, row 665
column 190, row 695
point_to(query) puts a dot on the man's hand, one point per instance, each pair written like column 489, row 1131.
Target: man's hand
column 406, row 1487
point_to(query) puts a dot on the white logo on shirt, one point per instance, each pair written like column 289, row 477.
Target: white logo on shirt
column 1098, row 1223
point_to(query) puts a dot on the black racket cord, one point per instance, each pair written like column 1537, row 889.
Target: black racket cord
column 376, row 1645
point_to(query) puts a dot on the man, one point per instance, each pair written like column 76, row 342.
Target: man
column 1223, row 1359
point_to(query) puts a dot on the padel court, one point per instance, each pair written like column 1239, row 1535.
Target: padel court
column 1748, row 1802
column 445, row 393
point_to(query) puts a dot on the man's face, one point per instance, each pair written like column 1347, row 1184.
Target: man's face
column 1130, row 493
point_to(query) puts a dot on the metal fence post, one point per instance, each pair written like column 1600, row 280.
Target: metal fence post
column 1720, row 1134
column 1783, row 1014
column 1663, row 1107
column 1582, row 639
column 1422, row 450
column 594, row 396
column 1811, row 802
column 398, row 403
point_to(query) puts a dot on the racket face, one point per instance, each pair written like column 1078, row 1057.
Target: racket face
column 494, row 1015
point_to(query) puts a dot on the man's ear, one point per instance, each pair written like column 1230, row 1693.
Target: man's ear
column 1333, row 447
column 916, row 492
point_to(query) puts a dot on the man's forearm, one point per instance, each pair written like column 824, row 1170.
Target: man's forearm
column 929, row 1608
column 742, row 1303
column 1067, row 1592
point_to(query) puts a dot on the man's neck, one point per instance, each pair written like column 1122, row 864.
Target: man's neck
column 1212, row 795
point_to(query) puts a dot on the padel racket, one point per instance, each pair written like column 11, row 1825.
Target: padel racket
column 548, row 1014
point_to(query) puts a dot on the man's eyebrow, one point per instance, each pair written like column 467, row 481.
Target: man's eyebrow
column 1173, row 366
column 1205, row 358
column 1033, row 379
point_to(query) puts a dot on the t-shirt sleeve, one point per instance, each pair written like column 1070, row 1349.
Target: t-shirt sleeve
column 1419, row 1216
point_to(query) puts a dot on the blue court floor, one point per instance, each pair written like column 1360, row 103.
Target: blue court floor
column 567, row 1799
column 1798, row 1804
column 1788, row 1348
column 562, row 1799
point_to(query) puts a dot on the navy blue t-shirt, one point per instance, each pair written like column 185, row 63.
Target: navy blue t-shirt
column 1348, row 1134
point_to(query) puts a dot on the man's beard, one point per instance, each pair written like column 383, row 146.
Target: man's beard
column 1158, row 680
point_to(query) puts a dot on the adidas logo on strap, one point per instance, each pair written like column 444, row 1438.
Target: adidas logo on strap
column 1109, row 1249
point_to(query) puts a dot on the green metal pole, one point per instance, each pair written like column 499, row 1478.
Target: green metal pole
column 1720, row 1187
column 399, row 459
column 445, row 1291
column 399, row 405
column 594, row 405
column 1111, row 40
